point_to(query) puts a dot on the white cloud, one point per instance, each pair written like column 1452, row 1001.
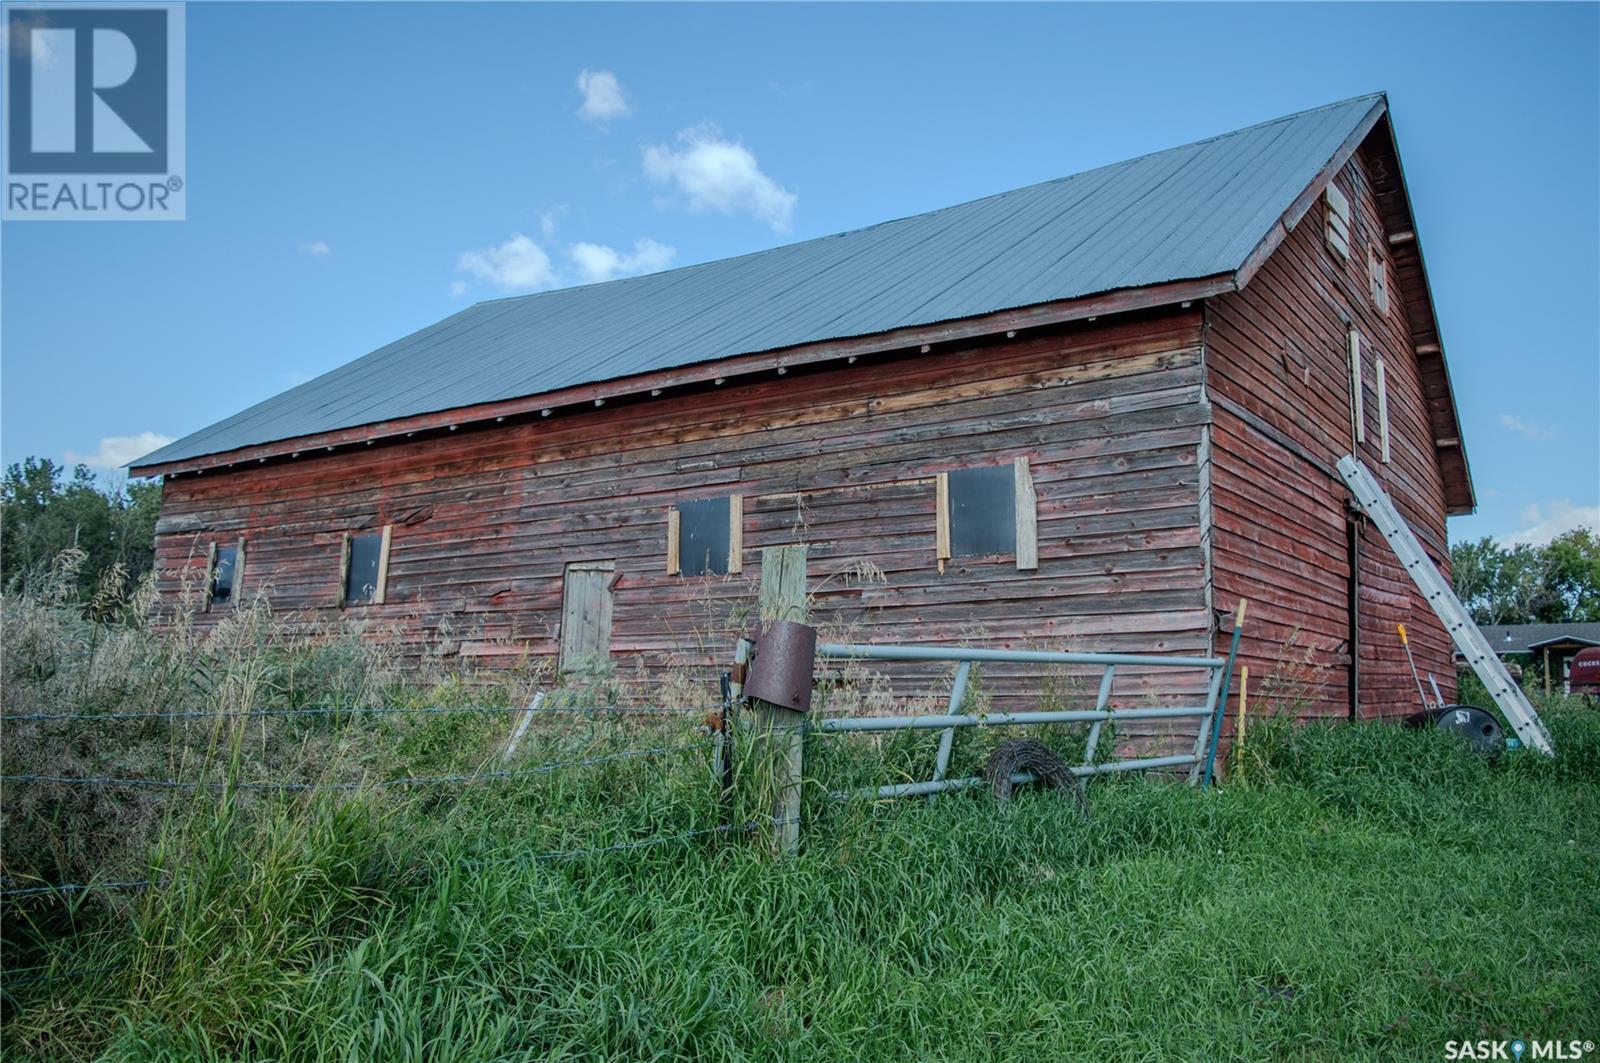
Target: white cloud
column 25, row 44
column 1528, row 430
column 116, row 451
column 316, row 249
column 43, row 54
column 549, row 221
column 712, row 173
column 1542, row 525
column 519, row 264
column 522, row 264
column 597, row 262
column 603, row 98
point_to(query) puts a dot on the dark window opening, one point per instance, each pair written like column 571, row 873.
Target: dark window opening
column 1378, row 280
column 222, row 570
column 983, row 511
column 361, row 572
column 703, row 537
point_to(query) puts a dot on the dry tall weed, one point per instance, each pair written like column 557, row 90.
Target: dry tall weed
column 122, row 653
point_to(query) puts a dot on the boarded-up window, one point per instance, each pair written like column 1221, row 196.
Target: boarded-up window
column 366, row 568
column 983, row 511
column 586, row 615
column 1338, row 226
column 1378, row 280
column 1358, row 405
column 1382, row 383
column 709, row 537
column 991, row 509
column 223, row 577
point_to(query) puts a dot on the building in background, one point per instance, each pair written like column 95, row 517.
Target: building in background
column 1552, row 646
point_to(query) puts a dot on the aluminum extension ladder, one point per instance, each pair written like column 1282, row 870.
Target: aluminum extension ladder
column 1463, row 632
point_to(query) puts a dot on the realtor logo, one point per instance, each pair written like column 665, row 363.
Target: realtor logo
column 94, row 112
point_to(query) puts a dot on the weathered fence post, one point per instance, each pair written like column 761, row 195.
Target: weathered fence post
column 779, row 730
column 783, row 584
column 522, row 726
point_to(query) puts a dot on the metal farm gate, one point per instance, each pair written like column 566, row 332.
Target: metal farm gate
column 1197, row 759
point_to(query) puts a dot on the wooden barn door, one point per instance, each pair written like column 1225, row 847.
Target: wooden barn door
column 586, row 615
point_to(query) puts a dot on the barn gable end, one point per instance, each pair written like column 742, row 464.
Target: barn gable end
column 1280, row 380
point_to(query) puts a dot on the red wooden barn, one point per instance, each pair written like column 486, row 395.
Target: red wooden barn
column 1087, row 414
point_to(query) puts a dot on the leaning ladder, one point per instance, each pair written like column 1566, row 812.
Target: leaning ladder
column 1463, row 632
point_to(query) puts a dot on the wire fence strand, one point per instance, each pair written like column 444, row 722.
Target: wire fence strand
column 297, row 787
column 34, row 976
column 63, row 890
column 79, row 887
column 30, row 978
column 542, row 769
column 239, row 714
column 619, row 847
column 547, row 856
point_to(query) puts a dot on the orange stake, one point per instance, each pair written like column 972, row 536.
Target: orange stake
column 1414, row 676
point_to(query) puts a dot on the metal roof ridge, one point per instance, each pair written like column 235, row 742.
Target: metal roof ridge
column 528, row 296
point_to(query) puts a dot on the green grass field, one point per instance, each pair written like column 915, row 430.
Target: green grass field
column 1361, row 892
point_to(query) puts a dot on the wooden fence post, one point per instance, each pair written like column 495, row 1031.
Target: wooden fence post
column 783, row 584
column 522, row 726
column 782, row 730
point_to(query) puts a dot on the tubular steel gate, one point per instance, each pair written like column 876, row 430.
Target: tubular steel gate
column 1096, row 717
column 1199, row 760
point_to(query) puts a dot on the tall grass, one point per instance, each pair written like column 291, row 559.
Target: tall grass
column 1379, row 892
column 1357, row 890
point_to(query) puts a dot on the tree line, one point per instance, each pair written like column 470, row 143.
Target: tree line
column 46, row 509
column 1557, row 583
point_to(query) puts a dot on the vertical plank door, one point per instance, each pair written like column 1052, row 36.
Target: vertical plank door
column 586, row 614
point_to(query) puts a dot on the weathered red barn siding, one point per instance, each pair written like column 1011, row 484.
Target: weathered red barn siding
column 484, row 520
column 1164, row 445
column 1278, row 514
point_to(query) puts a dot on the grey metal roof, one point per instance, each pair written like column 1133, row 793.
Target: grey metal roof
column 1525, row 638
column 1185, row 213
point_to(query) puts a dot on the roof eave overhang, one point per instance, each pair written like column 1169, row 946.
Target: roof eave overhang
column 717, row 371
column 1560, row 640
column 1394, row 203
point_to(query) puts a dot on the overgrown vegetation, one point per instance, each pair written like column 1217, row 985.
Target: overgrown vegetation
column 44, row 510
column 1353, row 890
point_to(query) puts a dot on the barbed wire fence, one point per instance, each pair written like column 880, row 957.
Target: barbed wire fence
column 348, row 787
column 44, row 975
column 432, row 710
column 14, row 891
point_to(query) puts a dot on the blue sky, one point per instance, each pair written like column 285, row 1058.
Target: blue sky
column 357, row 171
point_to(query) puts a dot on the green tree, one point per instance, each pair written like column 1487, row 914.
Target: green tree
column 1552, row 584
column 44, row 510
column 1474, row 568
column 1574, row 560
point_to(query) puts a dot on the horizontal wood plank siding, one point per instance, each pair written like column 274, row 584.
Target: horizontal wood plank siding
column 1278, row 351
column 484, row 521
